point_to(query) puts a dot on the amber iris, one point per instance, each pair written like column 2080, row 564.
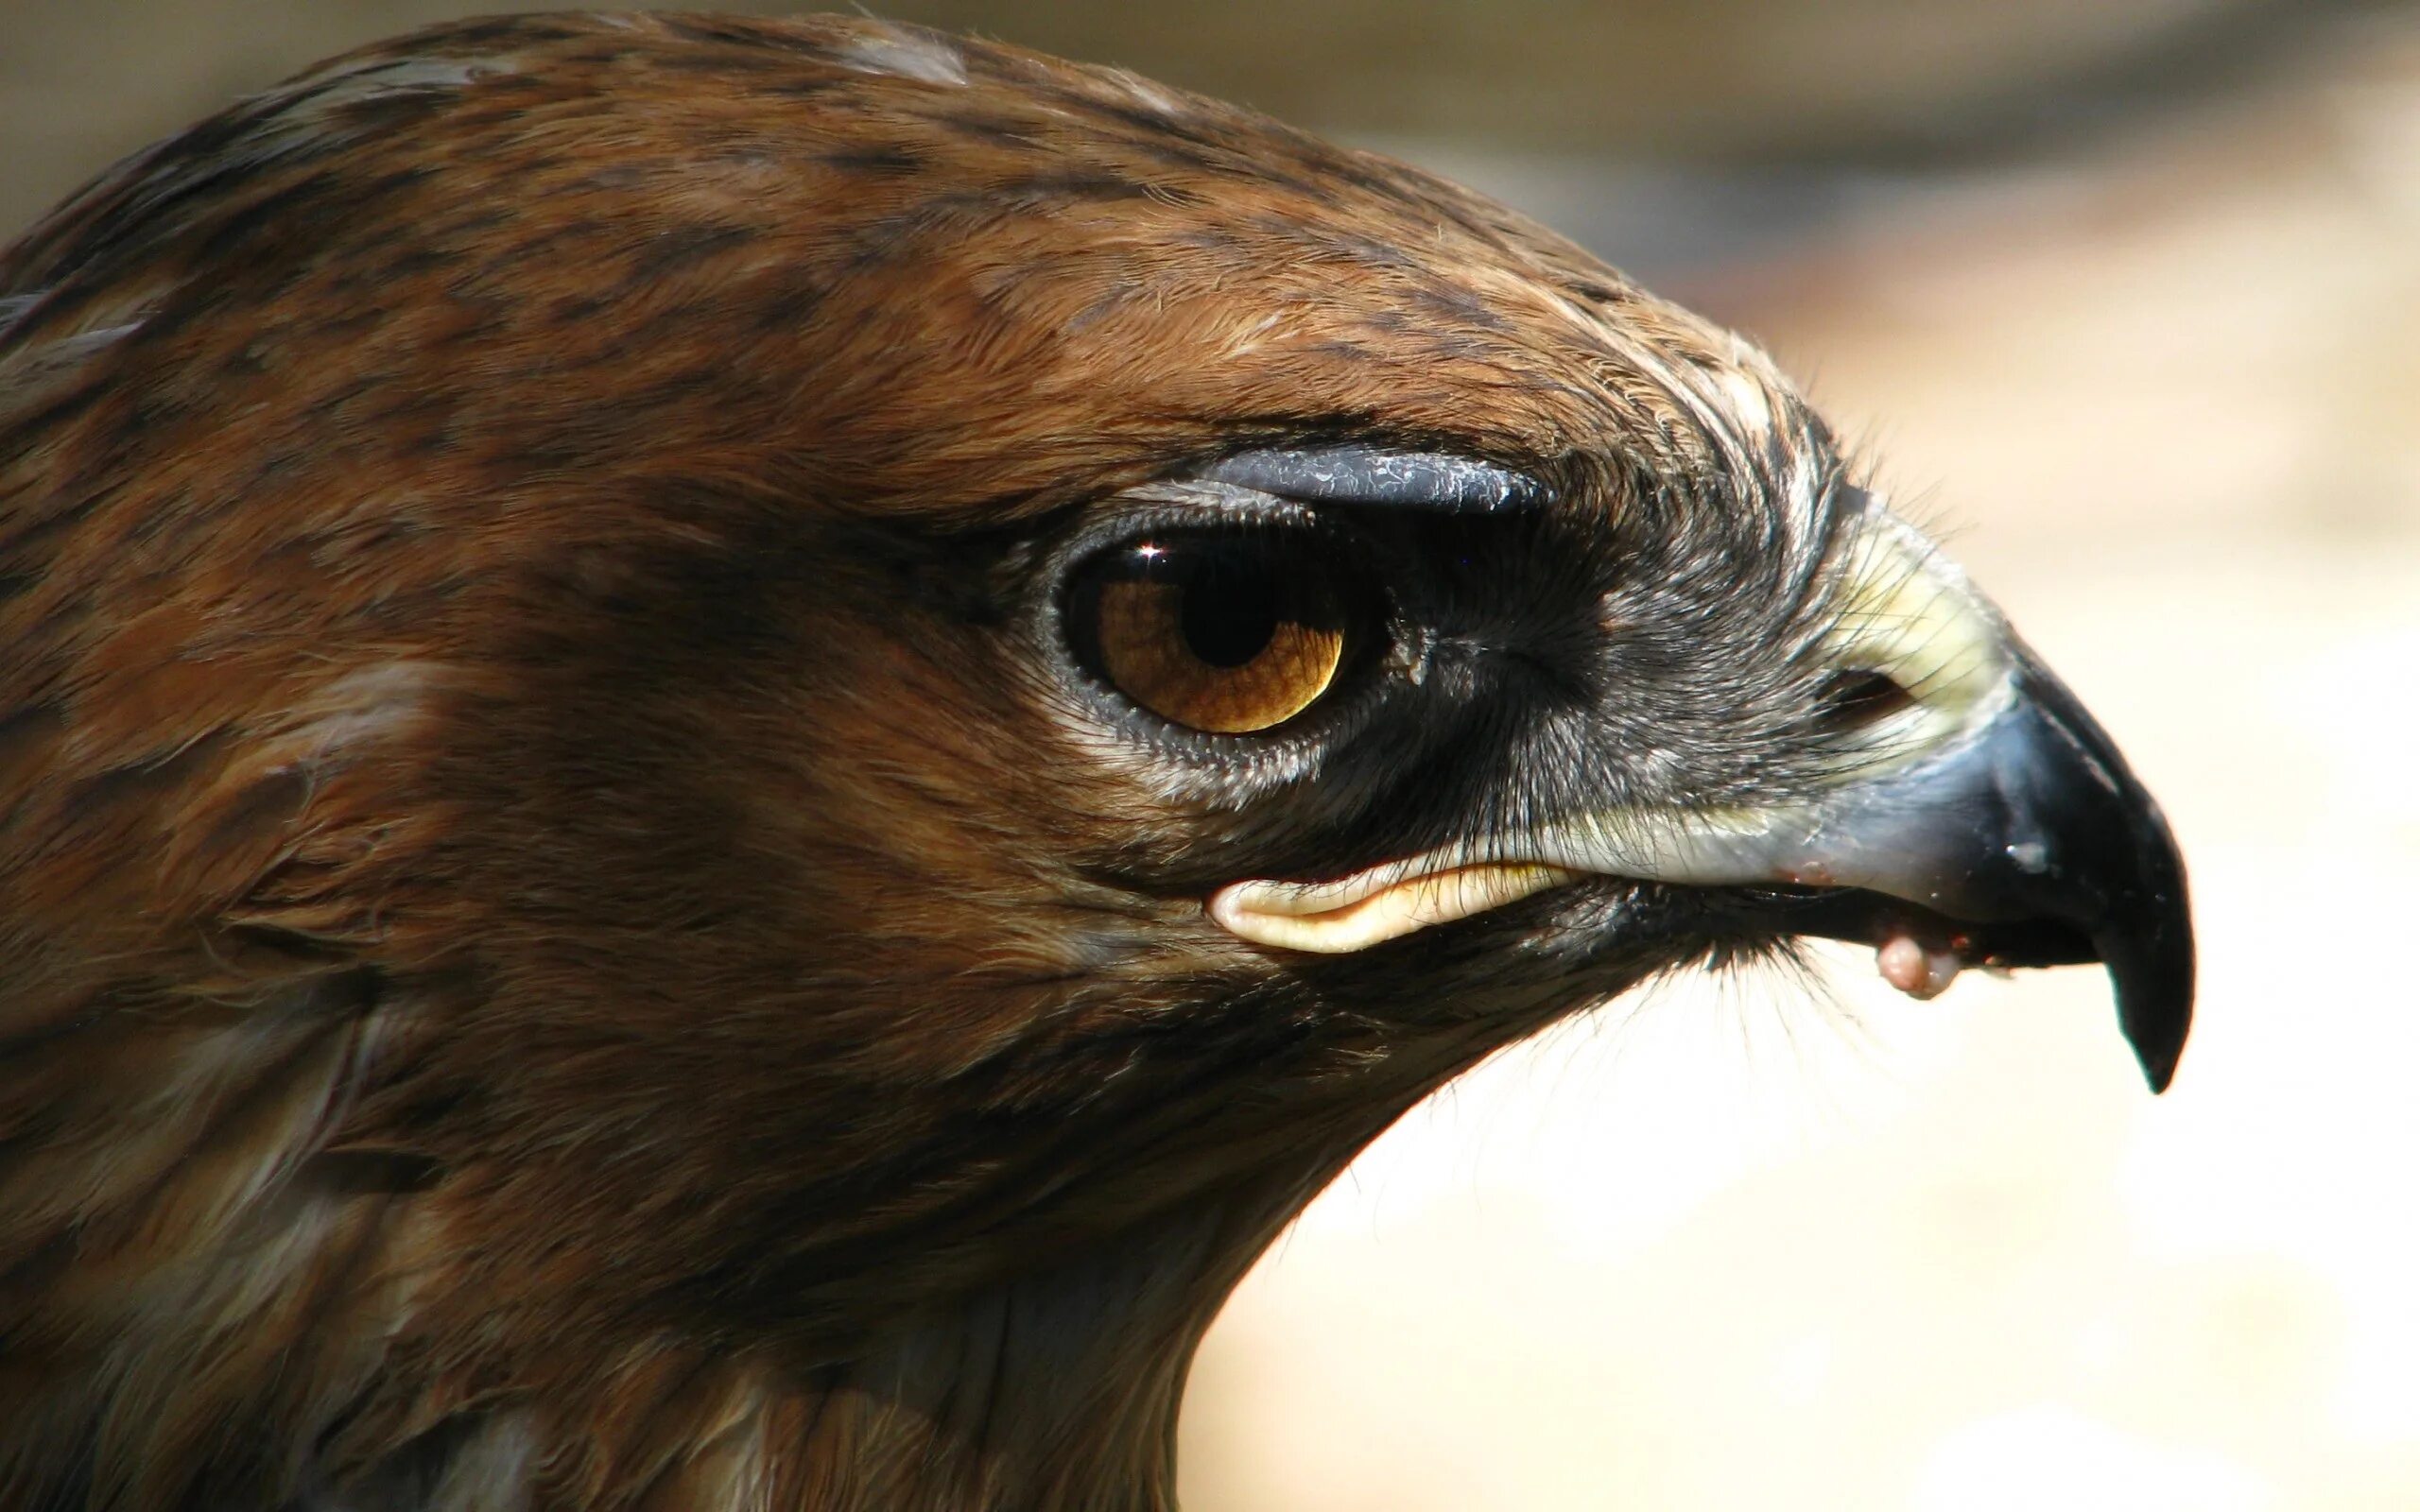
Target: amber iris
column 1228, row 633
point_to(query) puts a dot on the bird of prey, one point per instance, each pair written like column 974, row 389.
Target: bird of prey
column 730, row 749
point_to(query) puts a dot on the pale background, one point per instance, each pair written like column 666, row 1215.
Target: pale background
column 2125, row 297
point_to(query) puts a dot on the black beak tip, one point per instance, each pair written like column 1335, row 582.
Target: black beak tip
column 2147, row 941
column 2121, row 873
column 2152, row 976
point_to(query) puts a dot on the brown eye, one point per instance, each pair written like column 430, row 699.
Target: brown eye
column 1228, row 632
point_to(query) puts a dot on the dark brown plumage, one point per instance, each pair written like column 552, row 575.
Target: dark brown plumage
column 628, row 874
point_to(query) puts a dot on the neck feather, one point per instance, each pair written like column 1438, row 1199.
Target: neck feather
column 1055, row 1392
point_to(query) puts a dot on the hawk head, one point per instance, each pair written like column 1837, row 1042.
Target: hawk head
column 730, row 749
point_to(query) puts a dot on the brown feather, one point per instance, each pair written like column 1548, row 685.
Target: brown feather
column 556, row 952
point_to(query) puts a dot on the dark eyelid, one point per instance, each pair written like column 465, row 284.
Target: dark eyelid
column 1352, row 473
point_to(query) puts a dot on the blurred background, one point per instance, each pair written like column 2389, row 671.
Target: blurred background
column 2123, row 297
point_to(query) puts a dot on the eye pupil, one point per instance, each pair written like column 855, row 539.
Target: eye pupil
column 1228, row 617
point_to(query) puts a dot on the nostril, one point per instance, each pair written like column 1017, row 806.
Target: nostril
column 1858, row 699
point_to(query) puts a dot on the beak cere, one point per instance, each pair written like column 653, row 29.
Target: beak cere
column 1993, row 824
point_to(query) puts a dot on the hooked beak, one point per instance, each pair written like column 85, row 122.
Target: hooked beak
column 2007, row 831
column 2031, row 845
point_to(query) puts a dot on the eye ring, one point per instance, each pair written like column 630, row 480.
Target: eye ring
column 1233, row 630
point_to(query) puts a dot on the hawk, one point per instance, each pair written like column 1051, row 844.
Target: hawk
column 730, row 749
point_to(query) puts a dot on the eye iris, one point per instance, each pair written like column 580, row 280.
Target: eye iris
column 1228, row 636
